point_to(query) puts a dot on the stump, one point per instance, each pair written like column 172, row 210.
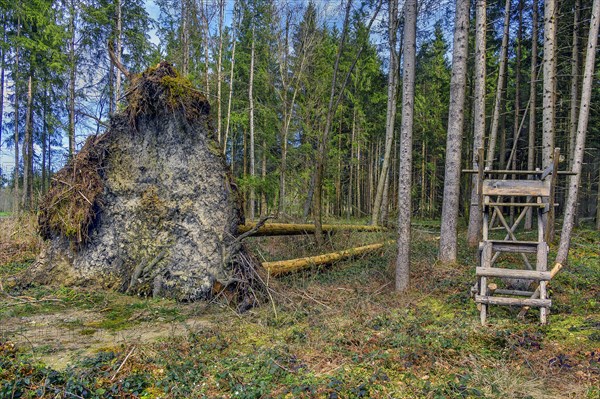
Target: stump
column 149, row 206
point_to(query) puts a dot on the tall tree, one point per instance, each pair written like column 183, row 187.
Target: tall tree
column 574, row 82
column 392, row 89
column 582, row 126
column 219, row 70
column 72, row 76
column 479, row 118
column 458, row 83
column 549, row 97
column 251, row 121
column 2, row 65
column 322, row 148
column 491, row 151
column 532, row 102
column 406, row 132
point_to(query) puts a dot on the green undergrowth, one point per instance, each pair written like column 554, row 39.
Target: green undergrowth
column 341, row 332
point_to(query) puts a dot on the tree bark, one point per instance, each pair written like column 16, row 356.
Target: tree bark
column 72, row 75
column 43, row 139
column 2, row 56
column 532, row 103
column 119, row 50
column 406, row 131
column 475, row 221
column 392, row 92
column 582, row 124
column 491, row 151
column 251, row 101
column 549, row 98
column 448, row 239
column 28, row 149
column 574, row 83
column 234, row 40
column 286, row 266
column 16, row 197
column 219, row 67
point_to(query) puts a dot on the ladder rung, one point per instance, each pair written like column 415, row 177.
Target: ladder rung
column 532, row 243
column 517, row 204
column 514, row 246
column 490, row 300
column 501, row 291
column 512, row 273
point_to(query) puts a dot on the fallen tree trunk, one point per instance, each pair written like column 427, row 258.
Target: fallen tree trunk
column 287, row 229
column 286, row 266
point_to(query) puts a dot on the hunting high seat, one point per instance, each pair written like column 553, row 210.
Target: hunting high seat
column 533, row 190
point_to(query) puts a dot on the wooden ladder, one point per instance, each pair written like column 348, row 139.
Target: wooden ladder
column 537, row 193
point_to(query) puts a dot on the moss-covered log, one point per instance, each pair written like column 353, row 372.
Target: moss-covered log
column 287, row 266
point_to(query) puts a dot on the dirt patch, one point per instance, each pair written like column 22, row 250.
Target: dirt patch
column 61, row 338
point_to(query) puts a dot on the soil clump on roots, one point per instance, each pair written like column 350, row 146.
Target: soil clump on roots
column 149, row 207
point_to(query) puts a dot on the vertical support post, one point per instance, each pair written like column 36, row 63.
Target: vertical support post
column 486, row 258
column 551, row 212
column 542, row 266
column 480, row 164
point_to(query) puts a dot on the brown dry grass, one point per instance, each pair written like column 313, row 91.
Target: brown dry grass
column 19, row 241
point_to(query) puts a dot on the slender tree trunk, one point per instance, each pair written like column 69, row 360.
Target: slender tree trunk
column 392, row 93
column 385, row 201
column 491, row 151
column 574, row 83
column 219, row 67
column 532, row 104
column 582, row 124
column 475, row 221
column 405, row 173
column 234, row 40
column 517, row 102
column 2, row 56
column 251, row 101
column 16, row 196
column 119, row 50
column 458, row 83
column 204, row 8
column 598, row 202
column 72, row 80
column 263, row 194
column 322, row 150
column 549, row 98
column 358, row 181
column 350, row 202
column 44, row 134
column 28, row 149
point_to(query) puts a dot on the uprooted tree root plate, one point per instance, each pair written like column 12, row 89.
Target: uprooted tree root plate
column 149, row 207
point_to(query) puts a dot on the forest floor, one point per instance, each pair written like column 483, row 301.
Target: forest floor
column 339, row 332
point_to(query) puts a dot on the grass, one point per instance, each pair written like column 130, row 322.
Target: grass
column 338, row 333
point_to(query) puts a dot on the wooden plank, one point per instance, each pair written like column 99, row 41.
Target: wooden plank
column 517, row 204
column 517, row 172
column 512, row 273
column 516, row 188
column 530, row 243
column 502, row 247
column 492, row 300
